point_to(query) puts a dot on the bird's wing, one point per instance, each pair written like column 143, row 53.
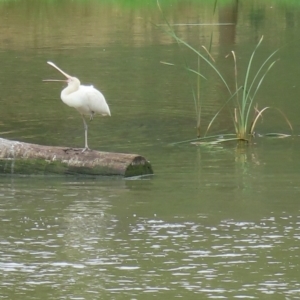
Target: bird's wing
column 95, row 100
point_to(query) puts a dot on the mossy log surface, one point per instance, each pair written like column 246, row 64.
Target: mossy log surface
column 31, row 159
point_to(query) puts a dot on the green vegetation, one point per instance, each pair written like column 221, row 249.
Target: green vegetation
column 242, row 96
column 136, row 4
column 129, row 3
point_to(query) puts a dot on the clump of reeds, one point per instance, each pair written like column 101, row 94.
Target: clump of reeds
column 242, row 96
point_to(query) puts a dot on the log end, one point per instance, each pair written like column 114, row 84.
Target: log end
column 138, row 167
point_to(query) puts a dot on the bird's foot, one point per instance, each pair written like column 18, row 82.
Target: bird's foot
column 85, row 149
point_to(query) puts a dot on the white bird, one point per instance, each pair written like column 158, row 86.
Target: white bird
column 86, row 99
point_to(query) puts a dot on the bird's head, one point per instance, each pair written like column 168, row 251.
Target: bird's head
column 72, row 81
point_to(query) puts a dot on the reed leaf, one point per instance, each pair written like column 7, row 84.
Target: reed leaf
column 245, row 93
column 222, row 107
column 260, row 114
column 256, row 90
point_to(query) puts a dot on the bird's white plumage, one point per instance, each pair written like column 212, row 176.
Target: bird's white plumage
column 85, row 99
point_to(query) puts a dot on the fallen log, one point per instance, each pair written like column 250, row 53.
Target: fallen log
column 31, row 159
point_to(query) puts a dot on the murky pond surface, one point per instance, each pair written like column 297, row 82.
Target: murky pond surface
column 218, row 222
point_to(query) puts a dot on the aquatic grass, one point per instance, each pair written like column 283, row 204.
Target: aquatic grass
column 244, row 100
column 207, row 58
column 242, row 96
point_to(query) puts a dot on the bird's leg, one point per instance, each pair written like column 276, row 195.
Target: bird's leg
column 86, row 147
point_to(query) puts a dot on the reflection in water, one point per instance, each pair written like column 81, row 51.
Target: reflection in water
column 71, row 244
column 197, row 255
column 59, row 227
column 228, row 14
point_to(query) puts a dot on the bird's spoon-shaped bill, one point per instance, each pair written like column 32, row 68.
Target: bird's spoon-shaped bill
column 57, row 68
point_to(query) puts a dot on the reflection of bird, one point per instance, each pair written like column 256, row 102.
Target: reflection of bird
column 86, row 99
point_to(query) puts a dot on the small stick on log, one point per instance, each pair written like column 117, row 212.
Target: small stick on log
column 24, row 158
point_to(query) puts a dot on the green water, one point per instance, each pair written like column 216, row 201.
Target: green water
column 218, row 222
